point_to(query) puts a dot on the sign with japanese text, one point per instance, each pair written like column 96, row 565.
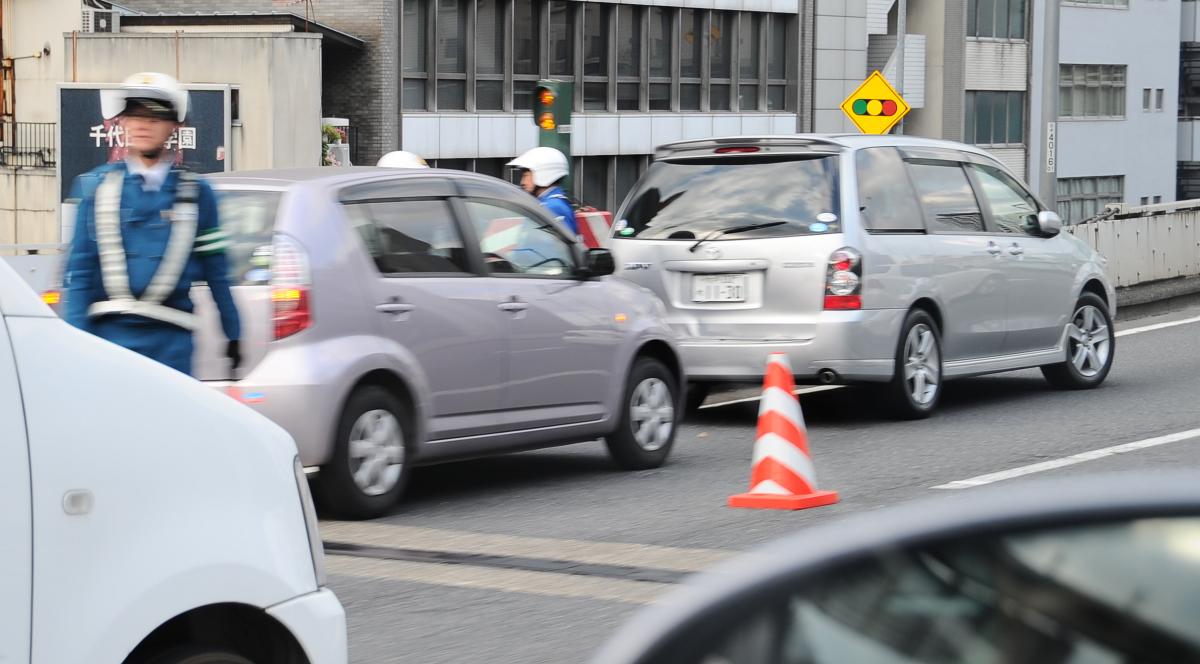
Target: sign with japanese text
column 87, row 140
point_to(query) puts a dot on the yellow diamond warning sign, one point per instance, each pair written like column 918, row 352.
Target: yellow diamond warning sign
column 875, row 107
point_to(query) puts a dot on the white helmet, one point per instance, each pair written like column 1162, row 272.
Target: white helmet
column 547, row 165
column 158, row 91
column 402, row 159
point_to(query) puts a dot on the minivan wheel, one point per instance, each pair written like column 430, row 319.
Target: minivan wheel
column 1091, row 346
column 195, row 655
column 646, row 430
column 916, row 385
column 369, row 468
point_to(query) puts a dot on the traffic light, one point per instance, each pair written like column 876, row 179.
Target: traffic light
column 552, row 114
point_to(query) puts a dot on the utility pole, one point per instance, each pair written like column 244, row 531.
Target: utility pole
column 901, row 30
column 1048, row 172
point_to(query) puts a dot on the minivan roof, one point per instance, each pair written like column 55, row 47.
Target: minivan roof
column 834, row 141
column 283, row 178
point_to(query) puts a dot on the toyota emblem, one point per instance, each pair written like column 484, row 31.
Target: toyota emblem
column 712, row 252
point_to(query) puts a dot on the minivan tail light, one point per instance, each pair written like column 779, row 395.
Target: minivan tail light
column 843, row 281
column 741, row 149
column 291, row 299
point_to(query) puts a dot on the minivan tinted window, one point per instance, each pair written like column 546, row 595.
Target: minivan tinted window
column 885, row 195
column 688, row 200
column 249, row 218
column 946, row 194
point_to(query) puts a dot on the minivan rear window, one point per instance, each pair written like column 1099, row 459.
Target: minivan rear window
column 693, row 199
column 249, row 218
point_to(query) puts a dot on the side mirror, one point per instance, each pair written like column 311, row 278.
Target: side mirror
column 944, row 581
column 1049, row 223
column 599, row 263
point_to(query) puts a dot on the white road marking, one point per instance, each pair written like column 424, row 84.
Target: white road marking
column 1158, row 326
column 1053, row 464
column 674, row 559
column 504, row 580
column 802, row 390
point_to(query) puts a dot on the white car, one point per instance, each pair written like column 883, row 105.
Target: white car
column 143, row 517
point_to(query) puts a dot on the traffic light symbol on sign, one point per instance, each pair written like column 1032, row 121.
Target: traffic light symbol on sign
column 885, row 107
column 875, row 107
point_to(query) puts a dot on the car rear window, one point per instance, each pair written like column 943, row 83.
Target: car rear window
column 249, row 218
column 689, row 200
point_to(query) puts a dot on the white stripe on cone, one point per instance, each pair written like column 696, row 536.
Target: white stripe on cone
column 780, row 449
column 783, row 402
column 772, row 487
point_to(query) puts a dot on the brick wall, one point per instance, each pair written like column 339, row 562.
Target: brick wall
column 361, row 86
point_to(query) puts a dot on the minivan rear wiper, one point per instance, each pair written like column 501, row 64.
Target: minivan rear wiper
column 736, row 229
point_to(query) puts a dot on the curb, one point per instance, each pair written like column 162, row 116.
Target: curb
column 1156, row 291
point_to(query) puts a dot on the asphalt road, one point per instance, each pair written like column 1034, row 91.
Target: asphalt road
column 538, row 557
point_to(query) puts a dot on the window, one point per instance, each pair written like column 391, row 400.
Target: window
column 999, row 19
column 249, row 218
column 515, row 243
column 946, row 195
column 692, row 199
column 1158, row 99
column 1145, row 201
column 1157, row 200
column 1082, row 198
column 406, row 237
column 1091, row 91
column 885, row 195
column 1013, row 209
column 486, row 55
column 1145, row 99
column 994, row 118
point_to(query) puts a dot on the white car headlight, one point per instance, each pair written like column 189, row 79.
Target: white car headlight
column 310, row 522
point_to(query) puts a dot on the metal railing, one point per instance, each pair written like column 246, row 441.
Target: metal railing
column 1146, row 243
column 31, row 144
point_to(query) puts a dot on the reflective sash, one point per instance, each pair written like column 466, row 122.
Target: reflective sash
column 113, row 262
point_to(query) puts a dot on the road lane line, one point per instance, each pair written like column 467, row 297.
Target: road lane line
column 1053, row 464
column 802, row 390
column 1158, row 326
column 484, row 578
column 463, row 542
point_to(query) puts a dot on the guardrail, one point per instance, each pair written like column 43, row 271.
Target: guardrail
column 1145, row 244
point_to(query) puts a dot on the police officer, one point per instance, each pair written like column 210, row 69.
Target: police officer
column 144, row 232
column 542, row 169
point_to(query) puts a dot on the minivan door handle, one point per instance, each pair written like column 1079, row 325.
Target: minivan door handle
column 1015, row 250
column 994, row 249
column 513, row 306
column 394, row 308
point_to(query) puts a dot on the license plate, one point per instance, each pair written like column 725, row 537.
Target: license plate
column 719, row 288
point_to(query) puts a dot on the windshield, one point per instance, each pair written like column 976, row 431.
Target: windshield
column 694, row 199
column 249, row 217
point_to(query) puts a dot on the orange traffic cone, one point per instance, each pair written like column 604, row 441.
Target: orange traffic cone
column 782, row 477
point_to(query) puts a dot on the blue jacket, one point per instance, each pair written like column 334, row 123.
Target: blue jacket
column 145, row 232
column 554, row 200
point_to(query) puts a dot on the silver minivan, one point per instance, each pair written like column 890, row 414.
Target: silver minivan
column 401, row 317
column 890, row 260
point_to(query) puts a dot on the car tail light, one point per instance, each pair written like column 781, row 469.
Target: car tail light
column 843, row 281
column 740, row 149
column 291, row 299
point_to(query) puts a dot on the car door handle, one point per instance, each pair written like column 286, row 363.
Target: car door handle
column 1015, row 250
column 513, row 307
column 394, row 308
column 994, row 249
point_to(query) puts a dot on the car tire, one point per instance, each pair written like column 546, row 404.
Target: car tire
column 198, row 655
column 1091, row 347
column 917, row 380
column 647, row 423
column 697, row 393
column 372, row 430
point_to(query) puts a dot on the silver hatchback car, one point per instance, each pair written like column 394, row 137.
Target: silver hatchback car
column 890, row 260
column 395, row 318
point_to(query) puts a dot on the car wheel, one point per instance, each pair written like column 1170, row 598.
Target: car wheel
column 646, row 428
column 193, row 655
column 696, row 395
column 1091, row 346
column 916, row 385
column 369, row 468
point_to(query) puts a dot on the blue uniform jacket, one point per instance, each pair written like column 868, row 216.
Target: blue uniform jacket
column 554, row 200
column 145, row 232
